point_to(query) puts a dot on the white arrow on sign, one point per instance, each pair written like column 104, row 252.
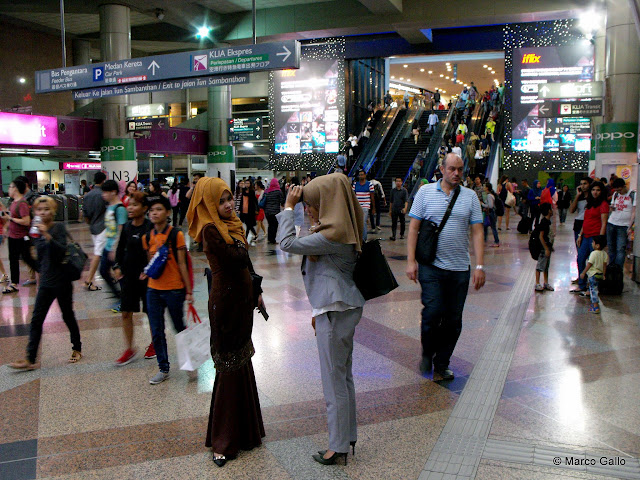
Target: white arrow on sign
column 160, row 108
column 542, row 109
column 152, row 66
column 286, row 53
column 544, row 91
column 161, row 124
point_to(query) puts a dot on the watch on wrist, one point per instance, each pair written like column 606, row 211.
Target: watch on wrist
column 288, row 208
column 480, row 267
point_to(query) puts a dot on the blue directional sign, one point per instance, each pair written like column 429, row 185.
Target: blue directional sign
column 247, row 58
column 160, row 86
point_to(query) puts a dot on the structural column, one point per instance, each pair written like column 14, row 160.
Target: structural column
column 81, row 56
column 220, row 159
column 118, row 150
column 617, row 138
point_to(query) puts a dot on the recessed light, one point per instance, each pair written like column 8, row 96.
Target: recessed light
column 401, row 78
column 447, row 78
column 447, row 63
column 405, row 66
column 422, row 69
column 392, row 77
column 408, row 79
column 22, row 80
column 430, row 71
column 484, row 66
column 441, row 75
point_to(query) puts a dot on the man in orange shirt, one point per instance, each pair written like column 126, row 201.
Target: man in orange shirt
column 171, row 288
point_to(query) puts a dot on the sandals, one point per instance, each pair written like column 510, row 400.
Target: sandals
column 75, row 356
column 10, row 289
column 91, row 287
column 4, row 278
column 23, row 365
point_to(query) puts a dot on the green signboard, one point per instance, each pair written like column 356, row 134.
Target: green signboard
column 220, row 154
column 118, row 149
column 619, row 137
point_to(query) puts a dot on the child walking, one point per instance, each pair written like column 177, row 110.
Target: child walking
column 544, row 260
column 171, row 289
column 596, row 270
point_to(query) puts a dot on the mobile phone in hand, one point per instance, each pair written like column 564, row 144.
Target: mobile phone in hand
column 263, row 311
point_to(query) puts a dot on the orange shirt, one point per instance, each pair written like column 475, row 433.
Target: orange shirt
column 170, row 278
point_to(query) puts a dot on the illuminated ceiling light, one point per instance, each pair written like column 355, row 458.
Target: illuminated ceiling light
column 247, row 145
column 444, row 91
column 408, row 79
column 22, row 80
column 589, row 21
column 430, row 71
column 203, row 32
column 422, row 69
column 405, row 66
column 401, row 78
column 441, row 75
column 484, row 66
column 392, row 77
column 447, row 63
column 447, row 78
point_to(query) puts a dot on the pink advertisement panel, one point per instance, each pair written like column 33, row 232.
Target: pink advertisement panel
column 18, row 129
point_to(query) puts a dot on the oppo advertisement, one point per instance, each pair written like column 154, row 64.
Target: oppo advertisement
column 533, row 66
column 306, row 113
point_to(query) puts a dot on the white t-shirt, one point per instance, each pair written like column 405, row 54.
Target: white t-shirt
column 621, row 206
column 353, row 140
column 433, row 119
column 457, row 151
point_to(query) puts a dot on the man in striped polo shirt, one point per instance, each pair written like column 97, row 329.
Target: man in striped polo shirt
column 364, row 193
column 445, row 282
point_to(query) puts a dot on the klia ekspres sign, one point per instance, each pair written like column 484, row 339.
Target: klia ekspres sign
column 217, row 61
column 18, row 129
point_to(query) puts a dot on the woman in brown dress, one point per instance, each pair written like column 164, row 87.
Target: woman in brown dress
column 235, row 421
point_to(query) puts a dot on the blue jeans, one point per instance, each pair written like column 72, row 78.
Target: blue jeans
column 366, row 216
column 593, row 289
column 443, row 295
column 157, row 301
column 492, row 221
column 584, row 250
column 105, row 271
column 617, row 243
column 563, row 214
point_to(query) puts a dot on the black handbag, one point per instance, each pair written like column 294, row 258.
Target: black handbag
column 427, row 244
column 74, row 260
column 372, row 274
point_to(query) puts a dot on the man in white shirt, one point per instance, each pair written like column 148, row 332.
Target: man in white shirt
column 433, row 121
column 353, row 143
column 621, row 218
column 457, row 150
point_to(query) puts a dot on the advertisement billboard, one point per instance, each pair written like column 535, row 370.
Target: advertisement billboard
column 306, row 109
column 31, row 130
column 533, row 68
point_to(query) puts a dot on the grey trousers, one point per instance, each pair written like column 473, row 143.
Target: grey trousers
column 334, row 334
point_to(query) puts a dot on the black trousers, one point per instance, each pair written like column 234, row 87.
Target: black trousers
column 44, row 299
column 19, row 247
column 395, row 216
column 272, row 229
column 183, row 212
column 175, row 211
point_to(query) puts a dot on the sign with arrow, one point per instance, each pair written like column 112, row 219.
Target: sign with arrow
column 570, row 90
column 560, row 108
column 245, row 129
column 147, row 110
column 147, row 124
column 233, row 59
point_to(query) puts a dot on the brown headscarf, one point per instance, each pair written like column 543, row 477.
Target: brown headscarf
column 341, row 217
column 203, row 210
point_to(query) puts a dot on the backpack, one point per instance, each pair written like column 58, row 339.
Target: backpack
column 535, row 245
column 499, row 206
column 545, row 197
column 157, row 263
column 74, row 259
column 377, row 191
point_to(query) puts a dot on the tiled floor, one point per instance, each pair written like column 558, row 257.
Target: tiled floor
column 571, row 384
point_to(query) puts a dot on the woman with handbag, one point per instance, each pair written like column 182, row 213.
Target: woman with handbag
column 51, row 245
column 328, row 265
column 235, row 420
column 488, row 207
column 504, row 189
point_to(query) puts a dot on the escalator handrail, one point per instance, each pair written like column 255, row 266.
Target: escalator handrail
column 414, row 113
column 496, row 143
column 374, row 134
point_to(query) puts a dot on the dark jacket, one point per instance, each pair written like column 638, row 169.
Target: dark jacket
column 50, row 255
column 130, row 255
column 564, row 199
column 273, row 201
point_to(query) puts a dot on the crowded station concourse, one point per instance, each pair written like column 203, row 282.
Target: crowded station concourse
column 229, row 267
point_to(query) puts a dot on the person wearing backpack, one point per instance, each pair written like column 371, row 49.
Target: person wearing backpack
column 533, row 198
column 115, row 216
column 18, row 229
column 55, row 284
column 621, row 220
column 172, row 287
column 130, row 262
column 543, row 232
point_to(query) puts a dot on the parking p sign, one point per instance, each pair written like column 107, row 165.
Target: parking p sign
column 98, row 74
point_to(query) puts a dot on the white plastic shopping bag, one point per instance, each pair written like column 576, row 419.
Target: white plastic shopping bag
column 193, row 343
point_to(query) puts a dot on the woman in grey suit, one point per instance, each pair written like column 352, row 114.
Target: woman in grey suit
column 330, row 255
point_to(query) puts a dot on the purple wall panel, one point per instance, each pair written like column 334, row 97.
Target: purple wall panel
column 79, row 133
column 174, row 140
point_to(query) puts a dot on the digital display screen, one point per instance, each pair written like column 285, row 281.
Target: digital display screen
column 306, row 109
column 534, row 66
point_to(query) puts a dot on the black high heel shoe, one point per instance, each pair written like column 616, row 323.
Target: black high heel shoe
column 332, row 459
column 353, row 449
column 220, row 461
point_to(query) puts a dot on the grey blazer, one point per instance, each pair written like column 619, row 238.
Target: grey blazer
column 330, row 278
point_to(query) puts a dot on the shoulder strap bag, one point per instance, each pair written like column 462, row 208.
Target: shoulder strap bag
column 427, row 244
column 74, row 259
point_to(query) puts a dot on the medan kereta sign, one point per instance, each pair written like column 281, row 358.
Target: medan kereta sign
column 18, row 129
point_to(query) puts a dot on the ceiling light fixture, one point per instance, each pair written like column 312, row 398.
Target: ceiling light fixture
column 484, row 66
column 422, row 69
column 430, row 71
column 159, row 14
column 441, row 75
column 203, row 32
column 405, row 66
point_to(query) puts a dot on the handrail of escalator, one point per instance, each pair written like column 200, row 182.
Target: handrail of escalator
column 399, row 134
column 375, row 140
column 496, row 144
column 476, row 115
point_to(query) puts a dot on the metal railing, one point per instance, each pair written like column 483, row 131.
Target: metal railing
column 399, row 134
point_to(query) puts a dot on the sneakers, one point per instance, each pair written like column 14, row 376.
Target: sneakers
column 117, row 308
column 549, row 287
column 378, row 229
column 594, row 308
column 539, row 288
column 575, row 281
column 159, row 378
column 393, row 239
column 445, row 374
column 401, row 237
column 128, row 356
column 150, row 353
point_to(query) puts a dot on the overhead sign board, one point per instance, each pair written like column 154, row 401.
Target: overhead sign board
column 147, row 124
column 233, row 59
column 147, row 110
column 81, row 165
column 245, row 129
column 559, row 109
column 570, row 90
column 161, row 86
column 19, row 129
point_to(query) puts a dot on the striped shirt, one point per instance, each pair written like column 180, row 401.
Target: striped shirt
column 363, row 194
column 453, row 244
